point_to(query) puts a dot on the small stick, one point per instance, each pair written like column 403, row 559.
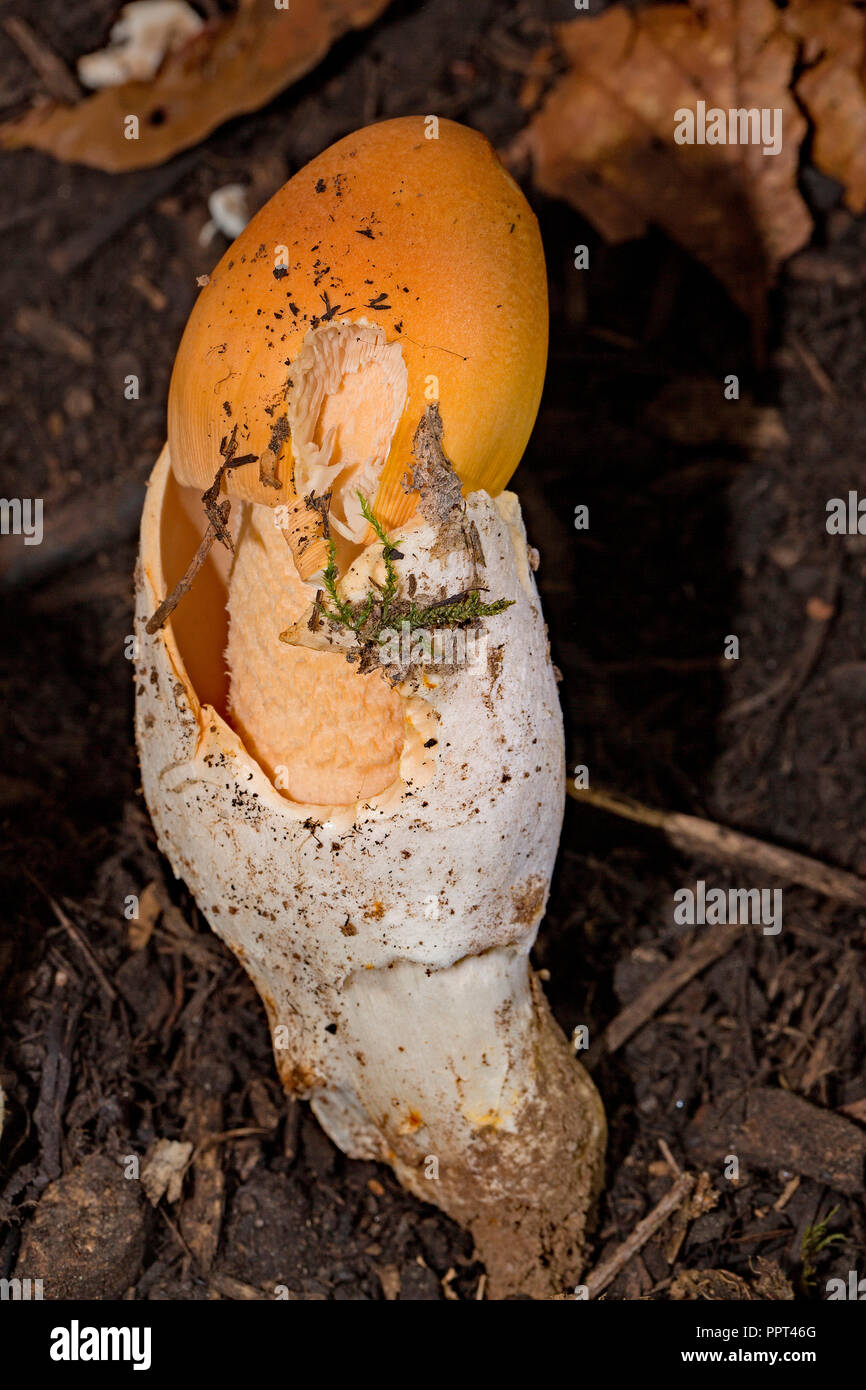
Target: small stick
column 672, row 979
column 669, row 1158
column 218, row 515
column 83, row 947
column 814, row 368
column 228, row 1287
column 787, row 686
column 214, row 510
column 243, row 1132
column 606, row 1272
column 183, row 586
column 789, row 1189
column 57, row 78
column 176, row 1233
column 703, row 838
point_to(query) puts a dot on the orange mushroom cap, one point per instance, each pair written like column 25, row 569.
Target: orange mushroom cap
column 429, row 239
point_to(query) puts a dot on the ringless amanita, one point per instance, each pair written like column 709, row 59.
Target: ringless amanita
column 371, row 833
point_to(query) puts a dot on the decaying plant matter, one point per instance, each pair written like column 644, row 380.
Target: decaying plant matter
column 372, row 836
column 230, row 65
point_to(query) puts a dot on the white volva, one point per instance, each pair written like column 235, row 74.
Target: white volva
column 390, row 940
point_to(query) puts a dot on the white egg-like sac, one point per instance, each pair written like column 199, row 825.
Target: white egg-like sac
column 389, row 938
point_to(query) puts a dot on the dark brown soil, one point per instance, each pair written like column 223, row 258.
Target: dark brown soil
column 695, row 533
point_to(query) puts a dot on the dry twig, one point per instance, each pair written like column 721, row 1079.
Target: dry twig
column 183, row 586
column 605, row 1272
column 672, row 979
column 706, row 839
column 58, row 80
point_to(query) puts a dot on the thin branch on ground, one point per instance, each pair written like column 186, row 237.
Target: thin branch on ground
column 706, row 839
column 673, row 978
column 605, row 1272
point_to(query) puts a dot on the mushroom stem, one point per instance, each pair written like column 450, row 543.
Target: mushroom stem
column 496, row 1123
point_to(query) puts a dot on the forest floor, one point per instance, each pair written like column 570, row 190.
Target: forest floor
column 707, row 519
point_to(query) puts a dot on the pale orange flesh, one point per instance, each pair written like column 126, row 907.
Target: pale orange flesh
column 355, row 413
column 347, row 393
column 323, row 733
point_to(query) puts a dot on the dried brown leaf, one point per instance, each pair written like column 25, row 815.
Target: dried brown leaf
column 604, row 137
column 833, row 91
column 163, row 1169
column 721, row 1286
column 769, row 1282
column 232, row 66
column 141, row 927
column 710, row 1286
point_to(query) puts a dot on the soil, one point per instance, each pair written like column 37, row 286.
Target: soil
column 707, row 520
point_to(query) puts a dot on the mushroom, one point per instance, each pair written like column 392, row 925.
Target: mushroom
column 145, row 32
column 370, row 821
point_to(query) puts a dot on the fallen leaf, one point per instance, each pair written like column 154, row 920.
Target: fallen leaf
column 141, row 927
column 720, row 1285
column 604, row 138
column 770, row 1128
column 832, row 89
column 265, row 1112
column 389, row 1278
column 164, row 1166
column 769, row 1283
column 232, row 66
column 710, row 1286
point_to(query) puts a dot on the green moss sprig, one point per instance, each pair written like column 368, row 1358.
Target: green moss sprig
column 816, row 1239
column 370, row 617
